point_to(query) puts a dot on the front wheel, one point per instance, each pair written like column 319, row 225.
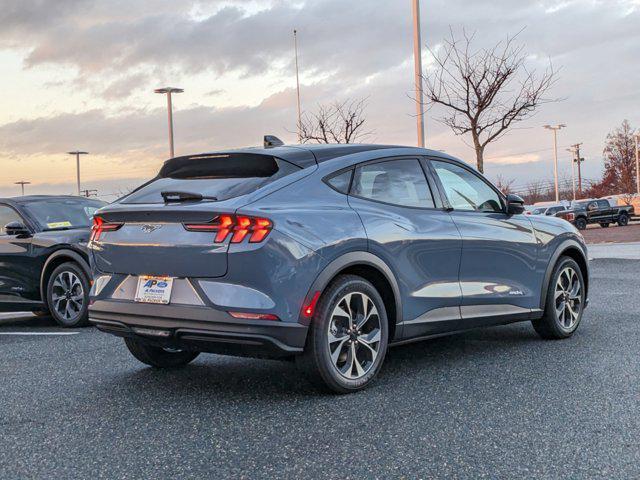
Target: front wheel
column 565, row 301
column 348, row 336
column 159, row 357
column 623, row 220
column 581, row 224
column 68, row 295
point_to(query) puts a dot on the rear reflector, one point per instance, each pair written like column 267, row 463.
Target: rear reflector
column 310, row 309
column 238, row 226
column 253, row 316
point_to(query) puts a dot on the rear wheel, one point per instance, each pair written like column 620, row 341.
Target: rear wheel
column 68, row 295
column 348, row 336
column 565, row 301
column 623, row 220
column 159, row 357
column 581, row 223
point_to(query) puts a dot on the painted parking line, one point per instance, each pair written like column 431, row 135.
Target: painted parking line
column 39, row 333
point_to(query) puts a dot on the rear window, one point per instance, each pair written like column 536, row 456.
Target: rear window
column 216, row 176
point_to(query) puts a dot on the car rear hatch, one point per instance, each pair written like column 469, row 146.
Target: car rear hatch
column 151, row 231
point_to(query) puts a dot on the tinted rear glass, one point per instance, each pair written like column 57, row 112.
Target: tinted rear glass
column 59, row 214
column 221, row 178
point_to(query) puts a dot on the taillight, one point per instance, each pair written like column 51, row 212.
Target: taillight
column 238, row 226
column 101, row 225
column 570, row 217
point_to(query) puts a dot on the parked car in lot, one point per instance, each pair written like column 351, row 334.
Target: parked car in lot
column 326, row 254
column 547, row 210
column 597, row 211
column 43, row 256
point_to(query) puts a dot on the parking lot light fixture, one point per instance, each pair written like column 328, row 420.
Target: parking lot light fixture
column 77, row 154
column 555, row 129
column 168, row 91
column 22, row 183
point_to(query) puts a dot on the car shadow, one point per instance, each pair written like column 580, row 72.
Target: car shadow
column 26, row 321
column 214, row 376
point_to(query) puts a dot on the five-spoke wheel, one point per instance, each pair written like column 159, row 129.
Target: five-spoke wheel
column 68, row 295
column 565, row 301
column 354, row 335
column 348, row 336
column 568, row 297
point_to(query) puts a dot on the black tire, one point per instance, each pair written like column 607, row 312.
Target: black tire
column 581, row 223
column 605, row 225
column 550, row 326
column 317, row 363
column 623, row 220
column 72, row 309
column 158, row 357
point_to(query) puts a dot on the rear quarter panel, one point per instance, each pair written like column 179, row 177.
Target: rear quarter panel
column 313, row 225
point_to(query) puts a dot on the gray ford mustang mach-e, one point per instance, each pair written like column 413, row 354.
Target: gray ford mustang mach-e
column 327, row 254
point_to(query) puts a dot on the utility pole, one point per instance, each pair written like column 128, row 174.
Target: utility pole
column 168, row 91
column 22, row 184
column 578, row 159
column 637, row 137
column 555, row 156
column 295, row 46
column 575, row 150
column 417, row 59
column 77, row 154
column 89, row 193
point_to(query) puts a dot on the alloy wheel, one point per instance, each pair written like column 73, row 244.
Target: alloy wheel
column 354, row 335
column 568, row 298
column 67, row 296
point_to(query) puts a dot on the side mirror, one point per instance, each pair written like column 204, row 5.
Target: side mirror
column 17, row 229
column 515, row 204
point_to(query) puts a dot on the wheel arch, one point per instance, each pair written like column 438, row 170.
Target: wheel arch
column 57, row 258
column 572, row 249
column 371, row 268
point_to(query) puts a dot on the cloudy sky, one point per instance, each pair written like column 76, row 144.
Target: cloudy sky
column 80, row 74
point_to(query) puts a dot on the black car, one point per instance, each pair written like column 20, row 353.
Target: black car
column 43, row 256
column 597, row 211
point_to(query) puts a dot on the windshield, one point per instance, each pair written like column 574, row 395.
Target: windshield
column 539, row 211
column 63, row 213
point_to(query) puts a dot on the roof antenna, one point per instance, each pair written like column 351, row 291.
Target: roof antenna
column 271, row 141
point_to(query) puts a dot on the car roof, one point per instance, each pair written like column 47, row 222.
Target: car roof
column 307, row 155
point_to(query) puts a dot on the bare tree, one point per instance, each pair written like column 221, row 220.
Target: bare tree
column 337, row 122
column 485, row 91
column 535, row 191
column 505, row 185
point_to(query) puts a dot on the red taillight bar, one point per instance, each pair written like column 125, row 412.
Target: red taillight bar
column 101, row 225
column 241, row 226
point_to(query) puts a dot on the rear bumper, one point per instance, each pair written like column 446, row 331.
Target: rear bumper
column 198, row 328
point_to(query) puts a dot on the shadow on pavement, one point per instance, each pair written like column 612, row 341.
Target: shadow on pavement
column 221, row 377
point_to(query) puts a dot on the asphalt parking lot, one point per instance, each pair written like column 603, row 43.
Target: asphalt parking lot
column 496, row 403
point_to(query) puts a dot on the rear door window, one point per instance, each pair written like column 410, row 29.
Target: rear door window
column 399, row 182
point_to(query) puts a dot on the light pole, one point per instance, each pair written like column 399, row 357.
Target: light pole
column 555, row 129
column 295, row 46
column 77, row 153
column 637, row 137
column 169, row 91
column 417, row 59
column 22, row 184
